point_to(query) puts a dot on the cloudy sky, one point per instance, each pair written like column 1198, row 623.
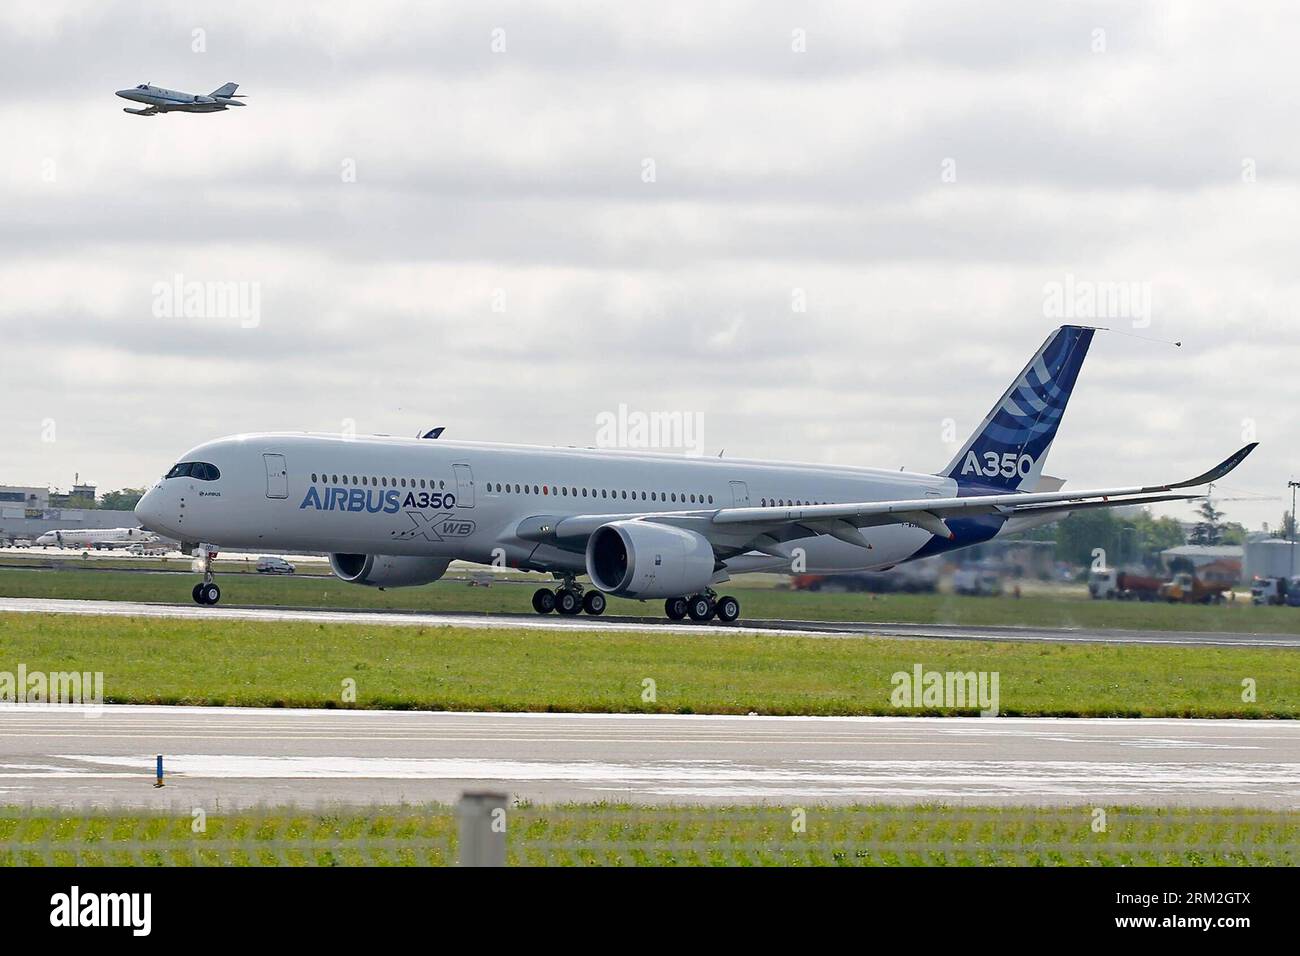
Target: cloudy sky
column 829, row 230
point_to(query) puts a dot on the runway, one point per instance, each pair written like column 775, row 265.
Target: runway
column 230, row 758
column 829, row 629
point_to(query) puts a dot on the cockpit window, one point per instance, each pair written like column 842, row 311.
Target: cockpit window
column 201, row 470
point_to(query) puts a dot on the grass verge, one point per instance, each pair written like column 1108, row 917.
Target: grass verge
column 301, row 664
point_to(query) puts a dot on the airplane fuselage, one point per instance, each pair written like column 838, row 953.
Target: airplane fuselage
column 483, row 502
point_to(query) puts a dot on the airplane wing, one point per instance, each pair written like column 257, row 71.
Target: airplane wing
column 931, row 512
column 736, row 530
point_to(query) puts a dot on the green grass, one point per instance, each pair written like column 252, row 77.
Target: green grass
column 758, row 602
column 627, row 835
column 222, row 662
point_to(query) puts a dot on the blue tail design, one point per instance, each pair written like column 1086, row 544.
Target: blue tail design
column 1010, row 446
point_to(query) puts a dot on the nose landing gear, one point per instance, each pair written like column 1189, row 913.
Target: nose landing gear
column 206, row 591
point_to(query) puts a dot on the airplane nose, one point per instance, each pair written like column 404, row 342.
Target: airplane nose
column 148, row 510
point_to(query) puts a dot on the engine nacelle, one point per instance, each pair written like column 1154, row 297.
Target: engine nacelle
column 387, row 570
column 638, row 559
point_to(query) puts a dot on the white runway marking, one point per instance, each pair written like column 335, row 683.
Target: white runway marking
column 873, row 779
column 234, row 757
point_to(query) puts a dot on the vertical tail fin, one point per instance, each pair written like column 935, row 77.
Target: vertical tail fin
column 1011, row 444
column 226, row 90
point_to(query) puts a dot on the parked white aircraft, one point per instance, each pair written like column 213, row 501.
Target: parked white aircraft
column 394, row 512
column 97, row 538
column 159, row 100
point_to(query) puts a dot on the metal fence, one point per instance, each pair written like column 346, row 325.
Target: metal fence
column 485, row 829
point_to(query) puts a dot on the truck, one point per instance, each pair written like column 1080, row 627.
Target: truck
column 976, row 582
column 1113, row 585
column 1187, row 588
column 1276, row 591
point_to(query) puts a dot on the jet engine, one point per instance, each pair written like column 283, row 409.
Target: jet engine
column 387, row 570
column 640, row 559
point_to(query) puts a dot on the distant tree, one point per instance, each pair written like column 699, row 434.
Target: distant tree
column 1157, row 534
column 1287, row 530
column 1233, row 532
column 79, row 501
column 124, row 500
column 1138, row 539
column 1081, row 532
column 1209, row 530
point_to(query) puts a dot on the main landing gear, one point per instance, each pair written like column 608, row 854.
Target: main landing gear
column 569, row 599
column 206, row 591
column 703, row 607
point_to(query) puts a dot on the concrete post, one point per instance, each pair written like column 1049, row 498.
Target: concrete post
column 482, row 816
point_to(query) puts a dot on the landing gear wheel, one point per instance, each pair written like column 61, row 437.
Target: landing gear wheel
column 568, row 602
column 728, row 608
column 209, row 594
column 593, row 602
column 700, row 608
column 543, row 601
column 198, row 598
column 675, row 608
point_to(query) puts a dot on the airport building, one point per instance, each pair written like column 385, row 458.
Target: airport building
column 1268, row 557
column 1219, row 562
column 23, row 498
column 26, row 512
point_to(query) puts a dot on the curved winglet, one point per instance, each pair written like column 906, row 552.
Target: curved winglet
column 1219, row 470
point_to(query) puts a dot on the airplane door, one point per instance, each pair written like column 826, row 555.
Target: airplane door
column 277, row 477
column 739, row 494
column 464, row 485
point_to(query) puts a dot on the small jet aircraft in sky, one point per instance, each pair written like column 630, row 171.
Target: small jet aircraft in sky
column 159, row 100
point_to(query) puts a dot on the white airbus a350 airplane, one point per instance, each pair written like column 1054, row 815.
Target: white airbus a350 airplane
column 394, row 512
